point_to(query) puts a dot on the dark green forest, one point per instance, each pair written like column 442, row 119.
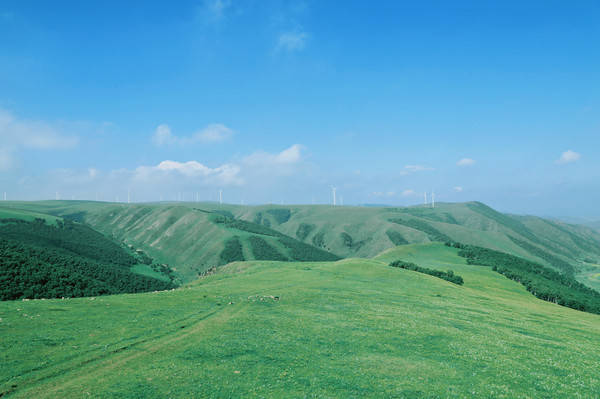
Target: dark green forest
column 543, row 282
column 38, row 260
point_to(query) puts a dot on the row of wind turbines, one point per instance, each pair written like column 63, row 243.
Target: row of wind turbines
column 181, row 197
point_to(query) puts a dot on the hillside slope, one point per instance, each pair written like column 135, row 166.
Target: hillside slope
column 352, row 328
column 184, row 234
column 193, row 238
column 65, row 259
column 366, row 231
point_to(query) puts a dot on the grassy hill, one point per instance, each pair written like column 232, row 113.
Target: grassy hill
column 184, row 234
column 192, row 237
column 352, row 328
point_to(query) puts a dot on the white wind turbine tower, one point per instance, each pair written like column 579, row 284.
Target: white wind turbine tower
column 425, row 194
column 432, row 199
column 333, row 192
column 5, row 196
column 220, row 196
column 128, row 196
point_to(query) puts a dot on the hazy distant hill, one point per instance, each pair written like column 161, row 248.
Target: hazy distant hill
column 594, row 225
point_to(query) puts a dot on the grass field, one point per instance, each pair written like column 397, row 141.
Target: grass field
column 10, row 213
column 352, row 328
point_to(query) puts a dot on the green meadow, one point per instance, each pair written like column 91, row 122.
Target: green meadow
column 351, row 328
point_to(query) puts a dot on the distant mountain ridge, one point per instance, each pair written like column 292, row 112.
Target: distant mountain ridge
column 186, row 234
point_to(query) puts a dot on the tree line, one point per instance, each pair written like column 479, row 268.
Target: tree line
column 448, row 276
column 543, row 282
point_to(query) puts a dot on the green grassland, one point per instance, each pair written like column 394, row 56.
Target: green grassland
column 7, row 212
column 185, row 235
column 351, row 328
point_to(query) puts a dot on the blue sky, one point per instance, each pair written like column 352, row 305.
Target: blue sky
column 276, row 101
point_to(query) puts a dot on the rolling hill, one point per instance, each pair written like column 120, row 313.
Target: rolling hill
column 192, row 238
column 186, row 235
column 351, row 328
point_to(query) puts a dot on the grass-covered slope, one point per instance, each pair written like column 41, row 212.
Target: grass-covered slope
column 182, row 234
column 65, row 259
column 366, row 231
column 353, row 328
column 192, row 238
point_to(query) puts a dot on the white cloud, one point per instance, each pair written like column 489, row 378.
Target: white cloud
column 227, row 174
column 458, row 189
column 568, row 156
column 261, row 175
column 162, row 135
column 466, row 162
column 212, row 133
column 288, row 156
column 292, row 41
column 17, row 135
column 408, row 193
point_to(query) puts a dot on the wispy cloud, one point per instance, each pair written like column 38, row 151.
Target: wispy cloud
column 458, row 189
column 19, row 134
column 568, row 156
column 213, row 11
column 212, row 133
column 292, row 41
column 408, row 193
column 466, row 162
column 408, row 169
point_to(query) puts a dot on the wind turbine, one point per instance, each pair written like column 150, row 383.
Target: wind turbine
column 5, row 196
column 333, row 191
column 425, row 194
column 220, row 196
column 128, row 196
column 432, row 199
